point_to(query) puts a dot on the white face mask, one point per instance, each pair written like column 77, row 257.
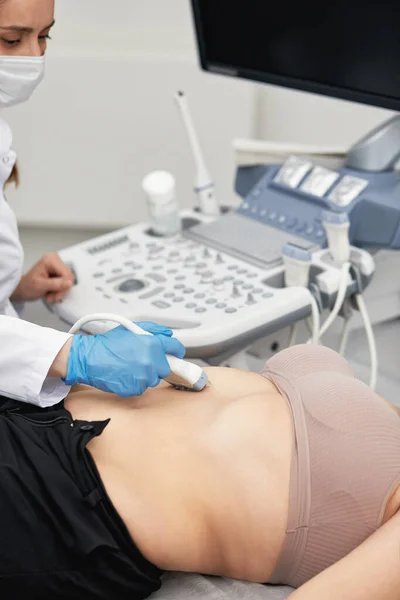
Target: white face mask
column 19, row 77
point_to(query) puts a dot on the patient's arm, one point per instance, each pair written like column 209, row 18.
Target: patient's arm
column 371, row 572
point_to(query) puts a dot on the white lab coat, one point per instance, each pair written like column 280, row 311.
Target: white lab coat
column 26, row 350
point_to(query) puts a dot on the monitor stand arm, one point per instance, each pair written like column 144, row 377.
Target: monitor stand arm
column 379, row 150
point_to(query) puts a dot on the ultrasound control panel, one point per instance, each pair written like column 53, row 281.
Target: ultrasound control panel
column 212, row 299
column 291, row 197
column 216, row 301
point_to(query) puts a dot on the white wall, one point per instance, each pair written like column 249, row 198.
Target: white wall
column 123, row 27
column 105, row 115
column 288, row 115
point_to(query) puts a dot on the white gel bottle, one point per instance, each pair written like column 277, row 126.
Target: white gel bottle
column 160, row 190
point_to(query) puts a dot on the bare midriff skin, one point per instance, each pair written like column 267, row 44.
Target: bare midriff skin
column 200, row 480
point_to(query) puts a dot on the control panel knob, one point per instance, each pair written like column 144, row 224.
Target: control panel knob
column 131, row 285
column 235, row 291
column 206, row 253
column 250, row 298
column 219, row 285
column 219, row 260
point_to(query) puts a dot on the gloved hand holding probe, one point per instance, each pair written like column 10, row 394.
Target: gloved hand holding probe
column 122, row 362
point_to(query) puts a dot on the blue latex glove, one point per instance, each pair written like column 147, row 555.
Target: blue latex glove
column 122, row 362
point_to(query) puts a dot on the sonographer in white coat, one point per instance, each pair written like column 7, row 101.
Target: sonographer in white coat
column 37, row 364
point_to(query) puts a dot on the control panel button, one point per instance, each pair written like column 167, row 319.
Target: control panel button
column 211, row 301
column 220, row 305
column 319, row 181
column 248, row 286
column 156, row 249
column 219, row 285
column 347, row 190
column 169, row 295
column 156, row 277
column 161, row 304
column 235, row 292
column 301, row 227
column 230, row 310
column 178, row 299
column 200, row 309
column 291, row 222
column 130, row 285
column 293, row 171
column 98, row 275
column 151, row 293
column 267, row 295
column 191, row 305
column 179, row 286
column 200, row 296
column 250, row 299
column 188, row 291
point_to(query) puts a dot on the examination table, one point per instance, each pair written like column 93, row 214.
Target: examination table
column 182, row 586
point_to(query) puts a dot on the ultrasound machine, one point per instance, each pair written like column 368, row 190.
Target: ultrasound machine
column 221, row 283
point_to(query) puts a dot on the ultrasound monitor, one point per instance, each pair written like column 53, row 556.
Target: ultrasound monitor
column 343, row 48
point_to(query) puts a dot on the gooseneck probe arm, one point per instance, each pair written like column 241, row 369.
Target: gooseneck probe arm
column 204, row 185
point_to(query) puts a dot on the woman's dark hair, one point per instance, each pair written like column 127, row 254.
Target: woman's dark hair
column 14, row 177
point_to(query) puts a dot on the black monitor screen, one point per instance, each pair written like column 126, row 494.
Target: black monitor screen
column 344, row 48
